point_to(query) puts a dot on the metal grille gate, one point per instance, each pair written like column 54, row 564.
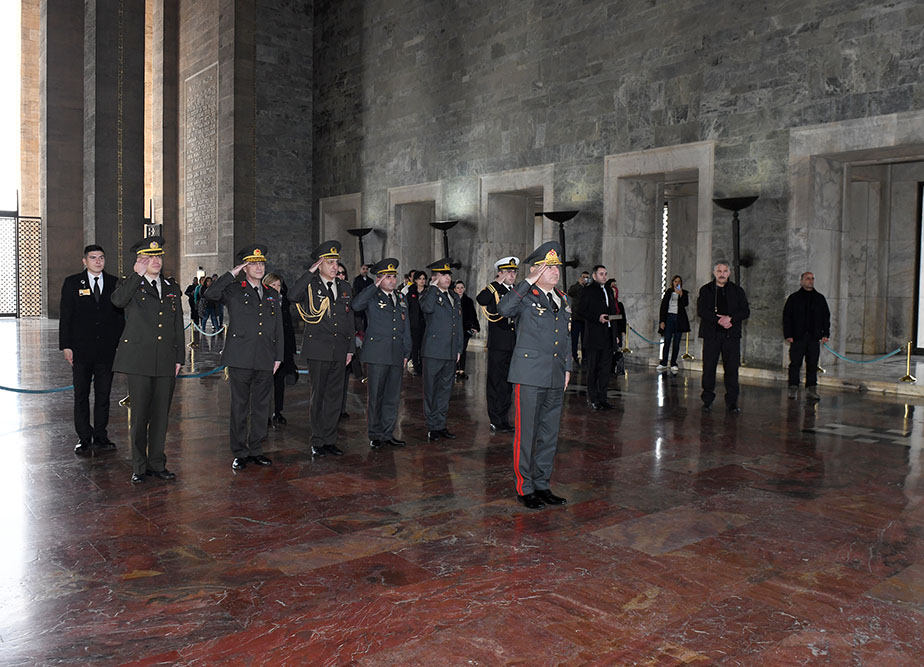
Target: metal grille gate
column 21, row 265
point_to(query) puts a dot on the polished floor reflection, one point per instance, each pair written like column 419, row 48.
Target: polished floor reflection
column 789, row 534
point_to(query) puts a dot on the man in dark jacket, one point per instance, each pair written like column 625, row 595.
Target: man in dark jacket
column 88, row 334
column 502, row 338
column 722, row 307
column 597, row 306
column 577, row 324
column 806, row 321
column 324, row 304
column 254, row 348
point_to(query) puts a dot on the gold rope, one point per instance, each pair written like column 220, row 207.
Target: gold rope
column 314, row 315
column 492, row 317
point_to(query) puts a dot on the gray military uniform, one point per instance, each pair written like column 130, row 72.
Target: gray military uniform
column 327, row 340
column 386, row 345
column 253, row 344
column 151, row 345
column 442, row 345
column 540, row 359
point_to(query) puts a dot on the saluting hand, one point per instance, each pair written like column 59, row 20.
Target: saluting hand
column 378, row 280
column 237, row 269
column 314, row 267
column 434, row 279
column 534, row 272
column 141, row 265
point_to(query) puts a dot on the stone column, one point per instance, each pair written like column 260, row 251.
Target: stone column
column 165, row 110
column 61, row 143
column 113, row 177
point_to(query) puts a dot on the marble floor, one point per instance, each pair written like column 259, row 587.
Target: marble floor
column 789, row 534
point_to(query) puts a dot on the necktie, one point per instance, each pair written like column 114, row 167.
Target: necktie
column 394, row 300
column 154, row 285
column 259, row 293
column 553, row 302
column 330, row 292
column 96, row 291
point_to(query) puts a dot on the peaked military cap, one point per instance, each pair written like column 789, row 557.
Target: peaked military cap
column 255, row 252
column 151, row 246
column 441, row 265
column 549, row 253
column 327, row 250
column 507, row 263
column 387, row 267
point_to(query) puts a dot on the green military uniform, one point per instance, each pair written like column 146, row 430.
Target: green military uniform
column 328, row 339
column 386, row 347
column 541, row 360
column 442, row 346
column 253, row 345
column 150, row 347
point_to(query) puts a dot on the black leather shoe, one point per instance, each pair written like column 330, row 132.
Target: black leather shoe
column 105, row 445
column 394, row 442
column 272, row 423
column 446, row 434
column 531, row 501
column 239, row 463
column 318, row 451
column 333, row 450
column 734, row 409
column 83, row 448
column 344, row 415
column 597, row 406
column 161, row 474
column 549, row 498
column 707, row 407
column 375, row 444
column 279, row 418
column 506, row 428
column 260, row 460
column 606, row 405
column 495, row 429
column 433, row 436
column 137, row 479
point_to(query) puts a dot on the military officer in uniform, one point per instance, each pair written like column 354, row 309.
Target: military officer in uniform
column 151, row 352
column 323, row 301
column 442, row 347
column 88, row 334
column 501, row 340
column 540, row 371
column 253, row 351
column 386, row 349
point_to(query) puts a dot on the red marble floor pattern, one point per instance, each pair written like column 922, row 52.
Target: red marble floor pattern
column 688, row 538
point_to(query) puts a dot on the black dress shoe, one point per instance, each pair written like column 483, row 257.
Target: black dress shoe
column 433, row 436
column 734, row 409
column 375, row 444
column 707, row 407
column 597, row 406
column 549, row 498
column 105, row 445
column 279, row 418
column 344, row 415
column 260, row 460
column 446, row 434
column 531, row 501
column 394, row 442
column 161, row 474
column 607, row 405
column 333, row 450
column 137, row 479
column 272, row 423
column 318, row 451
column 239, row 463
column 507, row 428
column 83, row 448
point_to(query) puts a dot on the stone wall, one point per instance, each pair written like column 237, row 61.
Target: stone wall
column 417, row 92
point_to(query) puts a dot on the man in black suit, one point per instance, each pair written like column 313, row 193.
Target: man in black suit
column 722, row 307
column 88, row 334
column 596, row 306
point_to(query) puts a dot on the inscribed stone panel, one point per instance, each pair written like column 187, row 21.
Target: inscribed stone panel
column 201, row 162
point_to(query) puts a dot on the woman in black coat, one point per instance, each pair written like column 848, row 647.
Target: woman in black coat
column 673, row 322
column 470, row 325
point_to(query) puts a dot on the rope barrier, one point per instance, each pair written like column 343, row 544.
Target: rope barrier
column 861, row 361
column 36, row 391
column 214, row 333
column 650, row 342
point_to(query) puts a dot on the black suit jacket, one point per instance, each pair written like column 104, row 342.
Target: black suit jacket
column 501, row 332
column 591, row 306
column 738, row 309
column 89, row 328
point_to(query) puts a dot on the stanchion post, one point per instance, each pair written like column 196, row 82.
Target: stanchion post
column 192, row 360
column 686, row 355
column 908, row 377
